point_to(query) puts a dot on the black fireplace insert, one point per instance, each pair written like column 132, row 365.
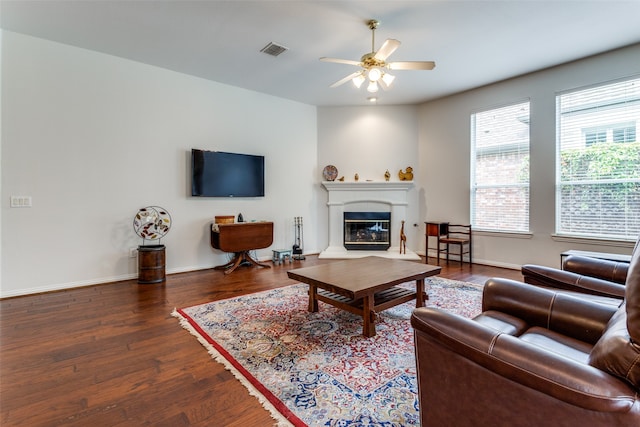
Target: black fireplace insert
column 367, row 231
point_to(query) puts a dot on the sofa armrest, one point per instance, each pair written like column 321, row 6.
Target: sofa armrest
column 578, row 384
column 612, row 271
column 560, row 279
column 578, row 318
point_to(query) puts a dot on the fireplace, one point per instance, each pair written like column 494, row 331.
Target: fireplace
column 367, row 196
column 367, row 231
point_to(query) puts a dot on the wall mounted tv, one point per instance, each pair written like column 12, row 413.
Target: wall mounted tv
column 220, row 174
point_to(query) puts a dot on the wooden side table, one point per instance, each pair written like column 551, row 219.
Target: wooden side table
column 240, row 238
column 434, row 229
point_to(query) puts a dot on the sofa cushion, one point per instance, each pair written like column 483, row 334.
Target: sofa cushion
column 616, row 352
column 558, row 343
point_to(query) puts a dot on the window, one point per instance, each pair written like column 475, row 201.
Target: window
column 617, row 133
column 500, row 169
column 625, row 134
column 595, row 136
column 598, row 161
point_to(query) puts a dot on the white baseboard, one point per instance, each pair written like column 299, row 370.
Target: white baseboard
column 481, row 262
column 133, row 276
column 64, row 286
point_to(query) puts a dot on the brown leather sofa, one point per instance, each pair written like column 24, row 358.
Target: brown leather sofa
column 533, row 357
column 582, row 275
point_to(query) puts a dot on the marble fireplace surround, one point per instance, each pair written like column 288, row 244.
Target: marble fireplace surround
column 367, row 196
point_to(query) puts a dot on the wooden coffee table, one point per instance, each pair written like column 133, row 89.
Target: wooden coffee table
column 365, row 286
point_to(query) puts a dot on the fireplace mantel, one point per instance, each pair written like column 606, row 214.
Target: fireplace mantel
column 366, row 196
column 368, row 185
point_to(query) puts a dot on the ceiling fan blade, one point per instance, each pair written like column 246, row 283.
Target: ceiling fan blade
column 412, row 65
column 387, row 48
column 346, row 79
column 340, row 61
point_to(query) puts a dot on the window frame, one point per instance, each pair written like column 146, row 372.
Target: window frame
column 609, row 129
column 474, row 165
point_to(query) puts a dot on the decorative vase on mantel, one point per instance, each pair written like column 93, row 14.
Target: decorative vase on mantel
column 151, row 223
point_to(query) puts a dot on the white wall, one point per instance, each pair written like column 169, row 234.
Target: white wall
column 445, row 155
column 368, row 141
column 1, row 194
column 92, row 138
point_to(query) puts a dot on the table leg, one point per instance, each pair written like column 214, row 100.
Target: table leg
column 239, row 258
column 234, row 264
column 313, row 301
column 227, row 265
column 247, row 257
column 426, row 247
column 421, row 294
column 368, row 317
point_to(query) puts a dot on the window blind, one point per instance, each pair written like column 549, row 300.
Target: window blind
column 598, row 161
column 500, row 168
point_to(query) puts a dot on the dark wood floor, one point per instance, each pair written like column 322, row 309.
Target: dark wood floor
column 112, row 354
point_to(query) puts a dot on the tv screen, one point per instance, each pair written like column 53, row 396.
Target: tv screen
column 219, row 174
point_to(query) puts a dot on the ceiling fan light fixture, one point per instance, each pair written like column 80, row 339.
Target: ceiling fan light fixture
column 373, row 87
column 374, row 74
column 388, row 79
column 358, row 80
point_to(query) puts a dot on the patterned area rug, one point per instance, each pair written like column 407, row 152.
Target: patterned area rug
column 317, row 369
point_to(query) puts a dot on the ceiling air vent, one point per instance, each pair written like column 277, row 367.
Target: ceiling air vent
column 273, row 49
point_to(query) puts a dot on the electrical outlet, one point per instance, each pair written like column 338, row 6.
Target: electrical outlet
column 133, row 252
column 21, row 201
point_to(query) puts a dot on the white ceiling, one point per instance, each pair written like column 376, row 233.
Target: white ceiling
column 473, row 43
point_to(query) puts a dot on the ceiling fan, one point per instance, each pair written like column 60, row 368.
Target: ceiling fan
column 374, row 64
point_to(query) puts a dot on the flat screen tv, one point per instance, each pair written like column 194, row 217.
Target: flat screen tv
column 220, row 174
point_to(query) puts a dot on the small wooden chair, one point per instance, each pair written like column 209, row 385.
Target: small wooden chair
column 457, row 235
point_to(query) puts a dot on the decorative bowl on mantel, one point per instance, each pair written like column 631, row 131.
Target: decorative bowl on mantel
column 330, row 173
